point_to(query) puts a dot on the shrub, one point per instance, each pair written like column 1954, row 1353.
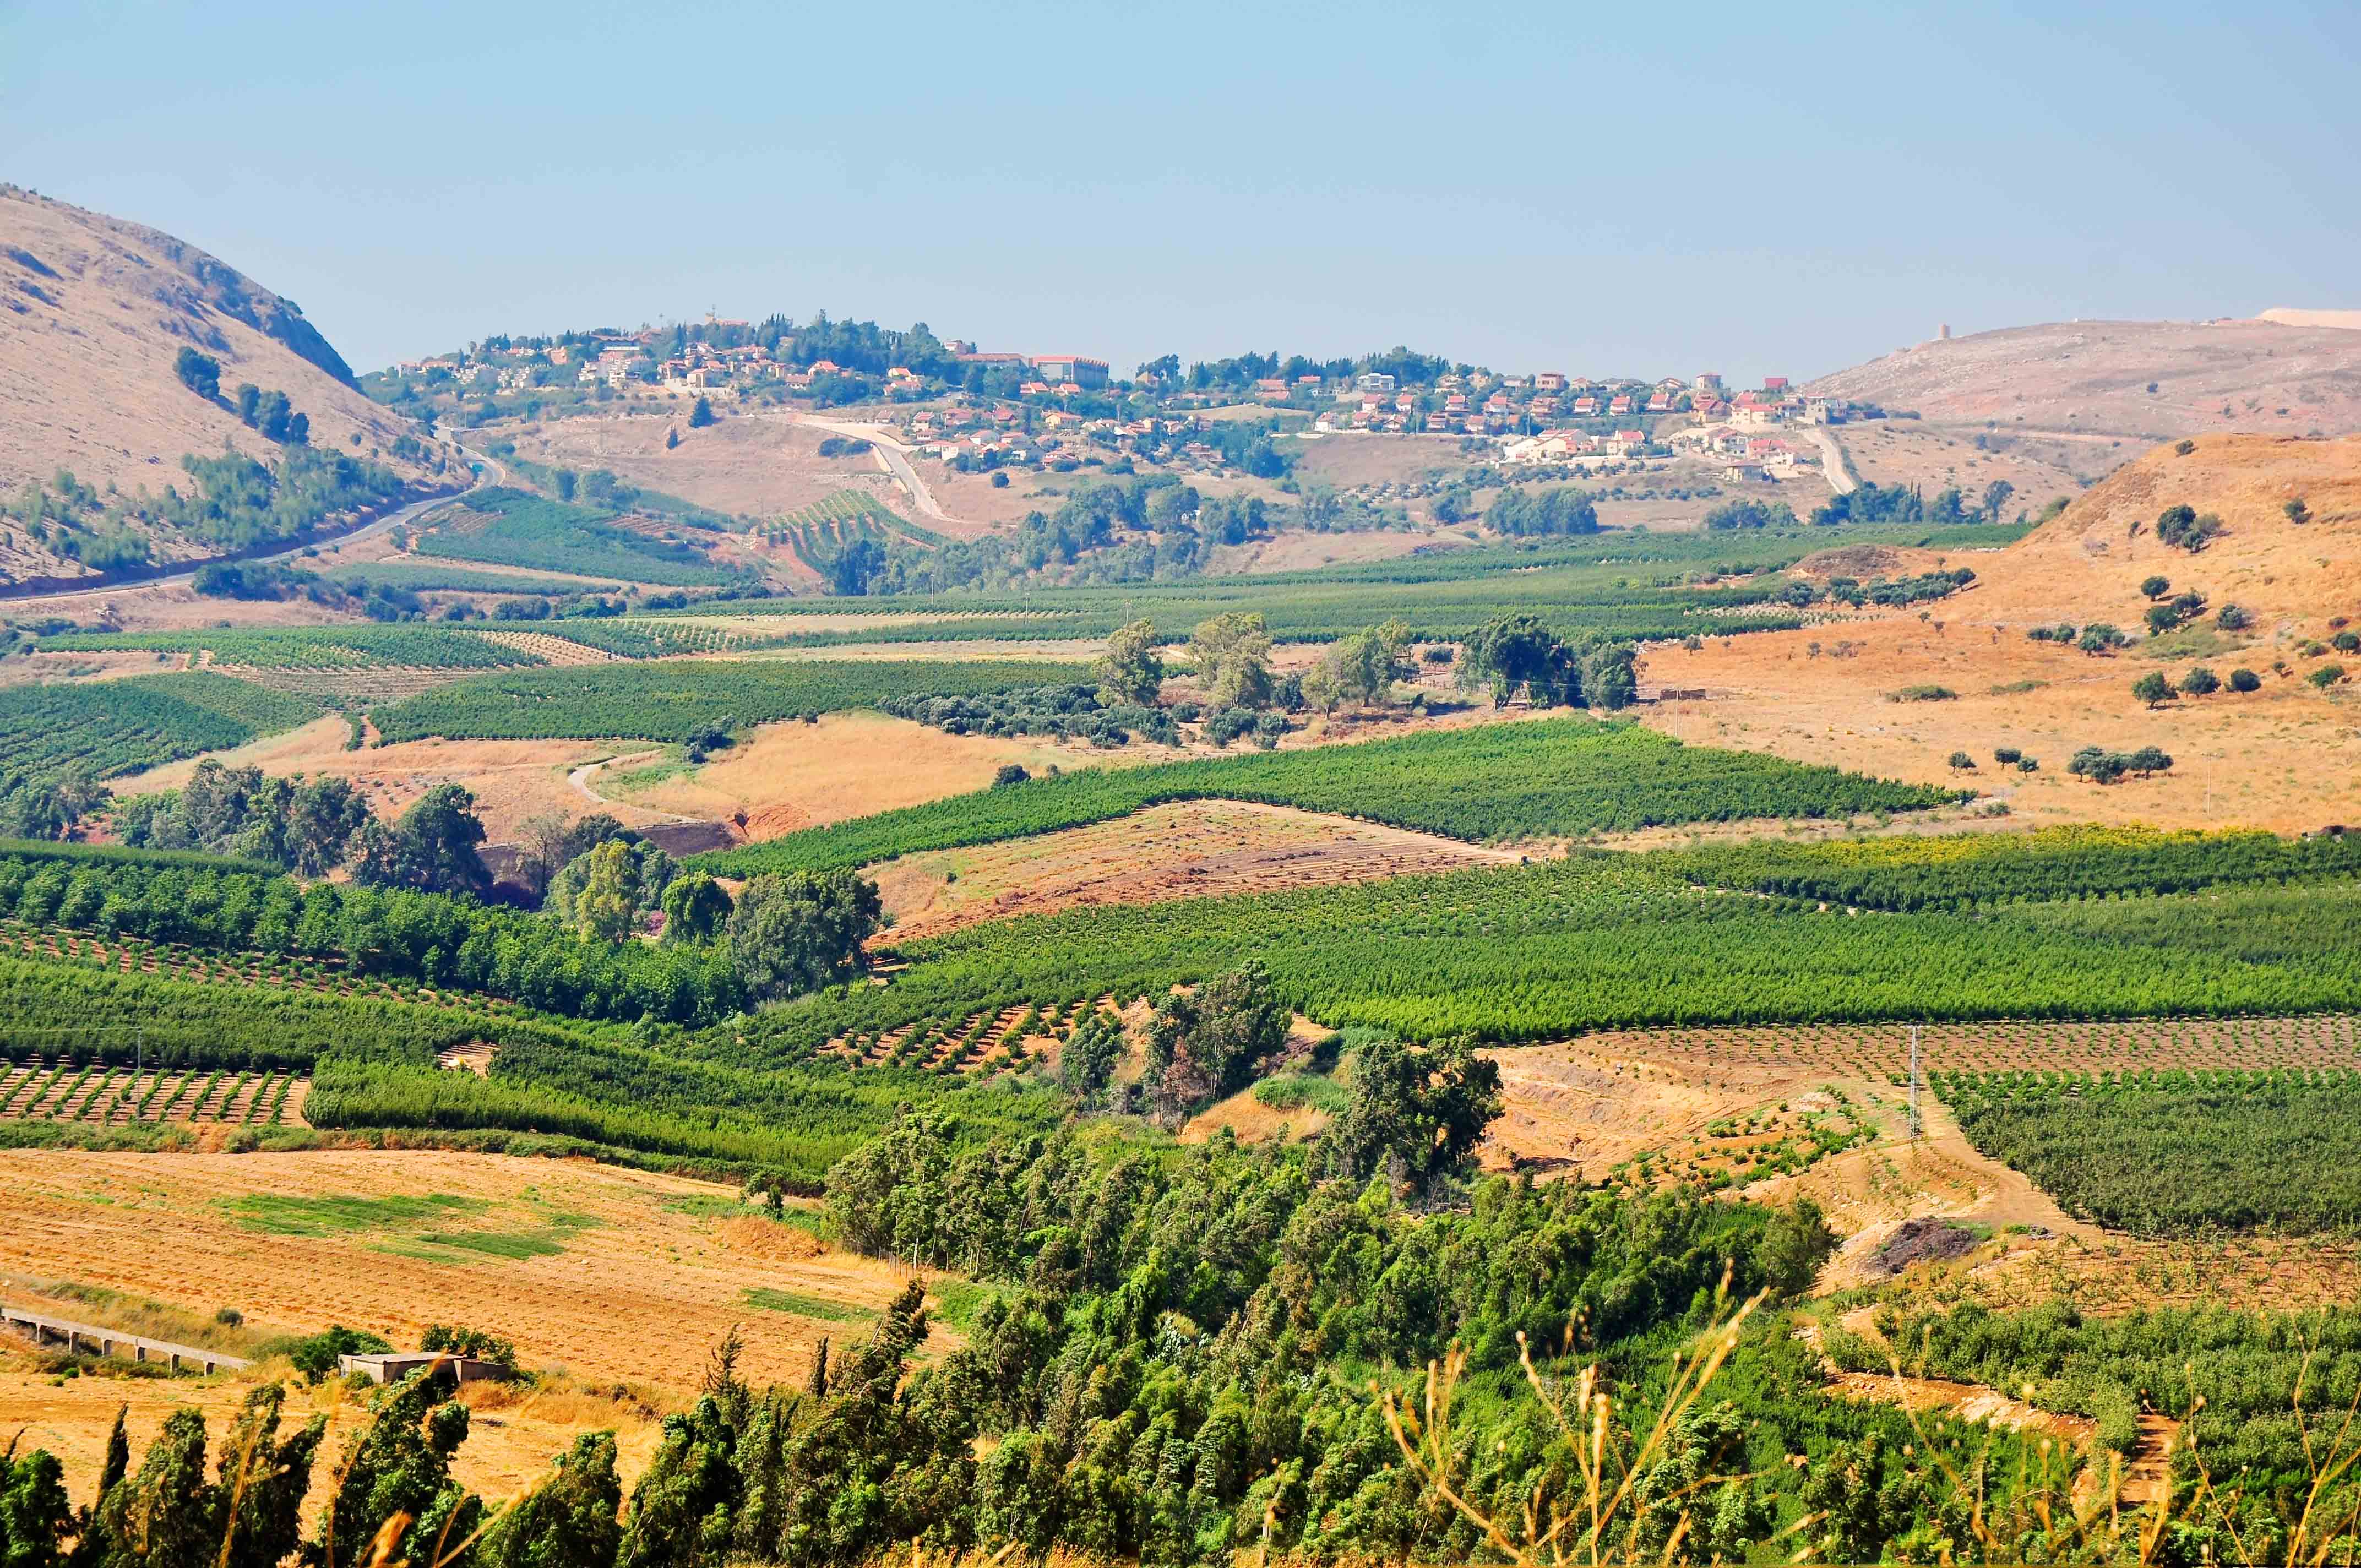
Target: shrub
column 2200, row 682
column 2007, row 756
column 201, row 373
column 2296, row 513
column 315, row 1357
column 2184, row 448
column 1010, row 774
column 2183, row 527
column 1924, row 694
column 2347, row 642
column 1962, row 762
column 2028, row 765
column 2157, row 587
column 999, row 479
column 474, row 1344
column 2326, row 675
column 2099, row 638
column 2231, row 618
column 2153, row 689
column 2245, row 681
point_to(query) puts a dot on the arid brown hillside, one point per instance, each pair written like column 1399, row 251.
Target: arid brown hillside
column 94, row 310
column 1866, row 692
column 2092, row 379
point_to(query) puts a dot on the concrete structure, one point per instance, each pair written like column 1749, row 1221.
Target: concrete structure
column 1088, row 373
column 82, row 1339
column 395, row 1366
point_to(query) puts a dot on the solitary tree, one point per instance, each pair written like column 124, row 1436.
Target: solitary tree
column 1130, row 671
column 1521, row 653
column 1232, row 653
column 2245, row 681
column 2157, row 587
column 701, row 414
column 2200, row 682
column 2154, row 689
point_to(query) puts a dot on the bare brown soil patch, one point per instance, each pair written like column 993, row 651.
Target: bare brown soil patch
column 1187, row 849
column 1936, row 457
column 749, row 464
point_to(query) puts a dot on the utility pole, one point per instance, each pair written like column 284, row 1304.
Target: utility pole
column 1914, row 1083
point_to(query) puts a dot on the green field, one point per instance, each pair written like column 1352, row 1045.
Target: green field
column 422, row 577
column 1617, row 584
column 313, row 647
column 2277, row 1151
column 817, row 533
column 121, row 727
column 670, row 701
column 1545, row 778
column 1972, row 869
column 1608, row 940
column 509, row 528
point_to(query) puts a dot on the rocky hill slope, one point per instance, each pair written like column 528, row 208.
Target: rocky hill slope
column 94, row 312
column 2148, row 380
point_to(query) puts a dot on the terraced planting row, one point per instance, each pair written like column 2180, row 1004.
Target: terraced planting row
column 173, row 960
column 1882, row 1050
column 61, row 1089
column 981, row 1045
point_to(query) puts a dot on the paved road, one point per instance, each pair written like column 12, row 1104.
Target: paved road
column 892, row 455
column 494, row 474
column 1834, row 464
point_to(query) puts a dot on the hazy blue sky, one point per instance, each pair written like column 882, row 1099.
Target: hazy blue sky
column 1647, row 188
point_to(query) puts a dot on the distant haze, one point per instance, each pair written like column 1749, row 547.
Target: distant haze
column 1577, row 188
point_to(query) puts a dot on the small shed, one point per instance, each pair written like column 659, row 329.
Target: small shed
column 392, row 1366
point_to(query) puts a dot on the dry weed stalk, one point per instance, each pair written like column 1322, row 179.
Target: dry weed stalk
column 1604, row 1524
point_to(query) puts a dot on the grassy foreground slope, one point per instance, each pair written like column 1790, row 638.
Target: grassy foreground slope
column 1558, row 777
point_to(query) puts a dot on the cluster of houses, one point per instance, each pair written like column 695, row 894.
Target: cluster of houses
column 1485, row 405
column 1015, row 433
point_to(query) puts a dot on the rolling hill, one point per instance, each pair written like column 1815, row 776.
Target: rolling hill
column 2149, row 379
column 1903, row 693
column 93, row 314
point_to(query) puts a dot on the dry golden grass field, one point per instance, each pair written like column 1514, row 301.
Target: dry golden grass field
column 619, row 1280
column 2287, row 757
column 756, row 464
column 1188, row 849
